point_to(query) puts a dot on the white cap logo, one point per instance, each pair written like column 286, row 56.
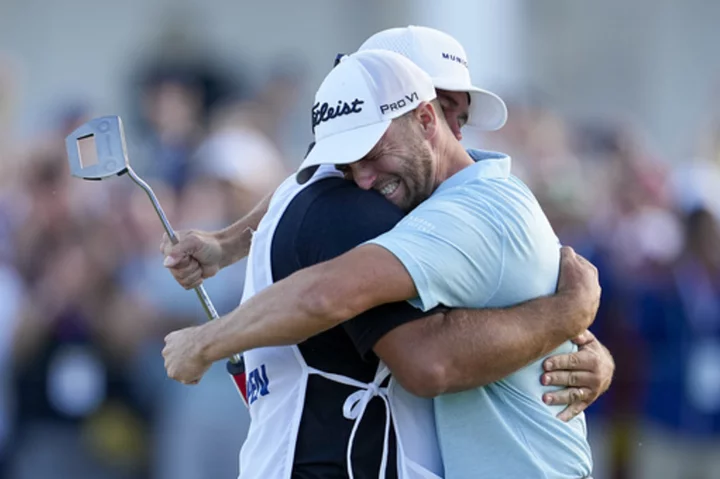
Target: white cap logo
column 356, row 103
column 325, row 112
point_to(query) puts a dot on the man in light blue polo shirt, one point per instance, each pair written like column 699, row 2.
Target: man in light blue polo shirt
column 482, row 241
column 475, row 237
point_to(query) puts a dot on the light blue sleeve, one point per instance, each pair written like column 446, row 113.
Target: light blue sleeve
column 453, row 246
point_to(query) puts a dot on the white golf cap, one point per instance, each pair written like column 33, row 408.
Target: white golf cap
column 445, row 60
column 356, row 103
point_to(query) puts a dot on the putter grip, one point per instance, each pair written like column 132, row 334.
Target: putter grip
column 200, row 290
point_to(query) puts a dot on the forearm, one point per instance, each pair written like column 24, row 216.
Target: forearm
column 309, row 302
column 287, row 313
column 484, row 345
column 235, row 240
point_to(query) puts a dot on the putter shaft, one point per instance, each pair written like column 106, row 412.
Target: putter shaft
column 200, row 290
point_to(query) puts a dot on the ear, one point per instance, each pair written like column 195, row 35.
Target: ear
column 427, row 117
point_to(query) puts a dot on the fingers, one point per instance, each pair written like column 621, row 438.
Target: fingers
column 569, row 259
column 187, row 245
column 175, row 377
column 570, row 269
column 173, row 367
column 179, row 260
column 582, row 360
column 567, row 254
column 165, row 245
column 193, row 280
column 584, row 375
column 186, row 382
column 580, row 379
column 572, row 411
column 569, row 396
column 188, row 273
column 586, row 263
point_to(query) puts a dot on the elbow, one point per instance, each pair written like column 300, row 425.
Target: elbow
column 423, row 378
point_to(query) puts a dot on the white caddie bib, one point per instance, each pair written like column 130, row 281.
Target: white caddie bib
column 277, row 380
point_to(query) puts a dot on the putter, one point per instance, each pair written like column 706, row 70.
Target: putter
column 97, row 151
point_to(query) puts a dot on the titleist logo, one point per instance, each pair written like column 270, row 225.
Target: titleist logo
column 324, row 112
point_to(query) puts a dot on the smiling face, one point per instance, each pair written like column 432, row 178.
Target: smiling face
column 403, row 166
column 400, row 169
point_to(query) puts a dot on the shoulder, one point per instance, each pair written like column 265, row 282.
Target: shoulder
column 336, row 204
column 332, row 216
column 458, row 209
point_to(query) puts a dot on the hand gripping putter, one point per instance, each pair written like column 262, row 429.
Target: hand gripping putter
column 96, row 151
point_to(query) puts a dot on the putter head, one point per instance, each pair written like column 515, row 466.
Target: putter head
column 96, row 150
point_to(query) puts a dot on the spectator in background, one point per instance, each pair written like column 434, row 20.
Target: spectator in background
column 77, row 415
column 280, row 97
column 9, row 96
column 175, row 103
column 240, row 156
column 12, row 296
column 236, row 166
column 232, row 162
column 677, row 311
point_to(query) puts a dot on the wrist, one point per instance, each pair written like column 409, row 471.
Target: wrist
column 215, row 341
column 224, row 239
column 205, row 343
column 571, row 317
column 233, row 242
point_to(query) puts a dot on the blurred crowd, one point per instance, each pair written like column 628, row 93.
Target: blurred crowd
column 85, row 302
column 650, row 223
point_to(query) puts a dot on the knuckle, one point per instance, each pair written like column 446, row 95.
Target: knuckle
column 573, row 361
column 559, row 363
column 575, row 395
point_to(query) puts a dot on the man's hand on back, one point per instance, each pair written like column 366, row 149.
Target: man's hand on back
column 579, row 285
column 585, row 375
